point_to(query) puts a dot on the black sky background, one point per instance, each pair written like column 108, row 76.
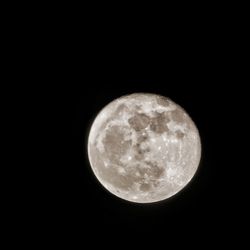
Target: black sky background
column 75, row 73
column 192, row 79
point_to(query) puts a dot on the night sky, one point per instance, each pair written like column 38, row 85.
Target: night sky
column 79, row 81
column 65, row 64
column 86, row 205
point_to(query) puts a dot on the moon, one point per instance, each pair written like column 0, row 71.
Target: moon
column 144, row 148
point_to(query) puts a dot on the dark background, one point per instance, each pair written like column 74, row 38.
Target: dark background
column 74, row 71
column 198, row 81
column 64, row 63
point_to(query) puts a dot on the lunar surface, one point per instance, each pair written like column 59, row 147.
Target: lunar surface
column 144, row 148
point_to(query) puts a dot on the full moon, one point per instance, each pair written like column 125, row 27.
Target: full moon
column 144, row 147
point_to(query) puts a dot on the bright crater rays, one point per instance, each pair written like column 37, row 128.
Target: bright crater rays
column 144, row 148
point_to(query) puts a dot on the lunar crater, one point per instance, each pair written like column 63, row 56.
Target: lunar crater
column 139, row 121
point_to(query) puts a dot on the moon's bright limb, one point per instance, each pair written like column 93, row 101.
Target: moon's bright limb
column 144, row 148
